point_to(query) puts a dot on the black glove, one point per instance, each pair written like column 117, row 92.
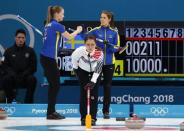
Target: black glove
column 76, row 71
column 105, row 42
column 89, row 85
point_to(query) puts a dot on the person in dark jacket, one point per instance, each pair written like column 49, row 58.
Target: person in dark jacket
column 1, row 73
column 20, row 64
column 2, row 95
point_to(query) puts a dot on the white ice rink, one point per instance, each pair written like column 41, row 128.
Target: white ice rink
column 73, row 124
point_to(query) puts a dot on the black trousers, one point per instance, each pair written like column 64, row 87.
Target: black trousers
column 107, row 71
column 1, row 77
column 12, row 82
column 52, row 74
column 84, row 78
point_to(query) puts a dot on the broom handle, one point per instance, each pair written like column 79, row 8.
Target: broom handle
column 88, row 116
column 88, row 90
column 88, row 101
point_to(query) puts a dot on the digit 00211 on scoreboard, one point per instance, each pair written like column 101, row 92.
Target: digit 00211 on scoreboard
column 156, row 49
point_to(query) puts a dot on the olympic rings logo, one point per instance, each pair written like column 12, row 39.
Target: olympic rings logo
column 100, row 112
column 159, row 111
column 10, row 110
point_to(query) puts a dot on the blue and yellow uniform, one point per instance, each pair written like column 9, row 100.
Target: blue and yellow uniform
column 110, row 35
column 52, row 38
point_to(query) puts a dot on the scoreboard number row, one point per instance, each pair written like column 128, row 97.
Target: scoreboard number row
column 154, row 32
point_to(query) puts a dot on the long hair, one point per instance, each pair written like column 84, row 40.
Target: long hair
column 110, row 16
column 51, row 11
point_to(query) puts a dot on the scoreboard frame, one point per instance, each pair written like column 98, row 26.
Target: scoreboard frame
column 139, row 36
column 158, row 37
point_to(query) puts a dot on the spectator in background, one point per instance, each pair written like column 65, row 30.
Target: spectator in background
column 1, row 75
column 2, row 95
column 19, row 64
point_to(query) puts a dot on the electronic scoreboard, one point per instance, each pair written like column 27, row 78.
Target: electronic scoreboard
column 155, row 50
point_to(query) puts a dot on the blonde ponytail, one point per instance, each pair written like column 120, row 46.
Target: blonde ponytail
column 51, row 11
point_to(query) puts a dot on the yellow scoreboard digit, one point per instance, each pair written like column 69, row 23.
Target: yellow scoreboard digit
column 119, row 70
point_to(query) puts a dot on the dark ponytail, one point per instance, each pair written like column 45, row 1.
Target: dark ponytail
column 110, row 16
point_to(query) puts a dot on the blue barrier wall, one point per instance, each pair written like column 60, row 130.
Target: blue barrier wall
column 76, row 10
column 122, row 95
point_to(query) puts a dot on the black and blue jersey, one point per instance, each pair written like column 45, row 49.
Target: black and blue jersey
column 110, row 35
column 52, row 39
